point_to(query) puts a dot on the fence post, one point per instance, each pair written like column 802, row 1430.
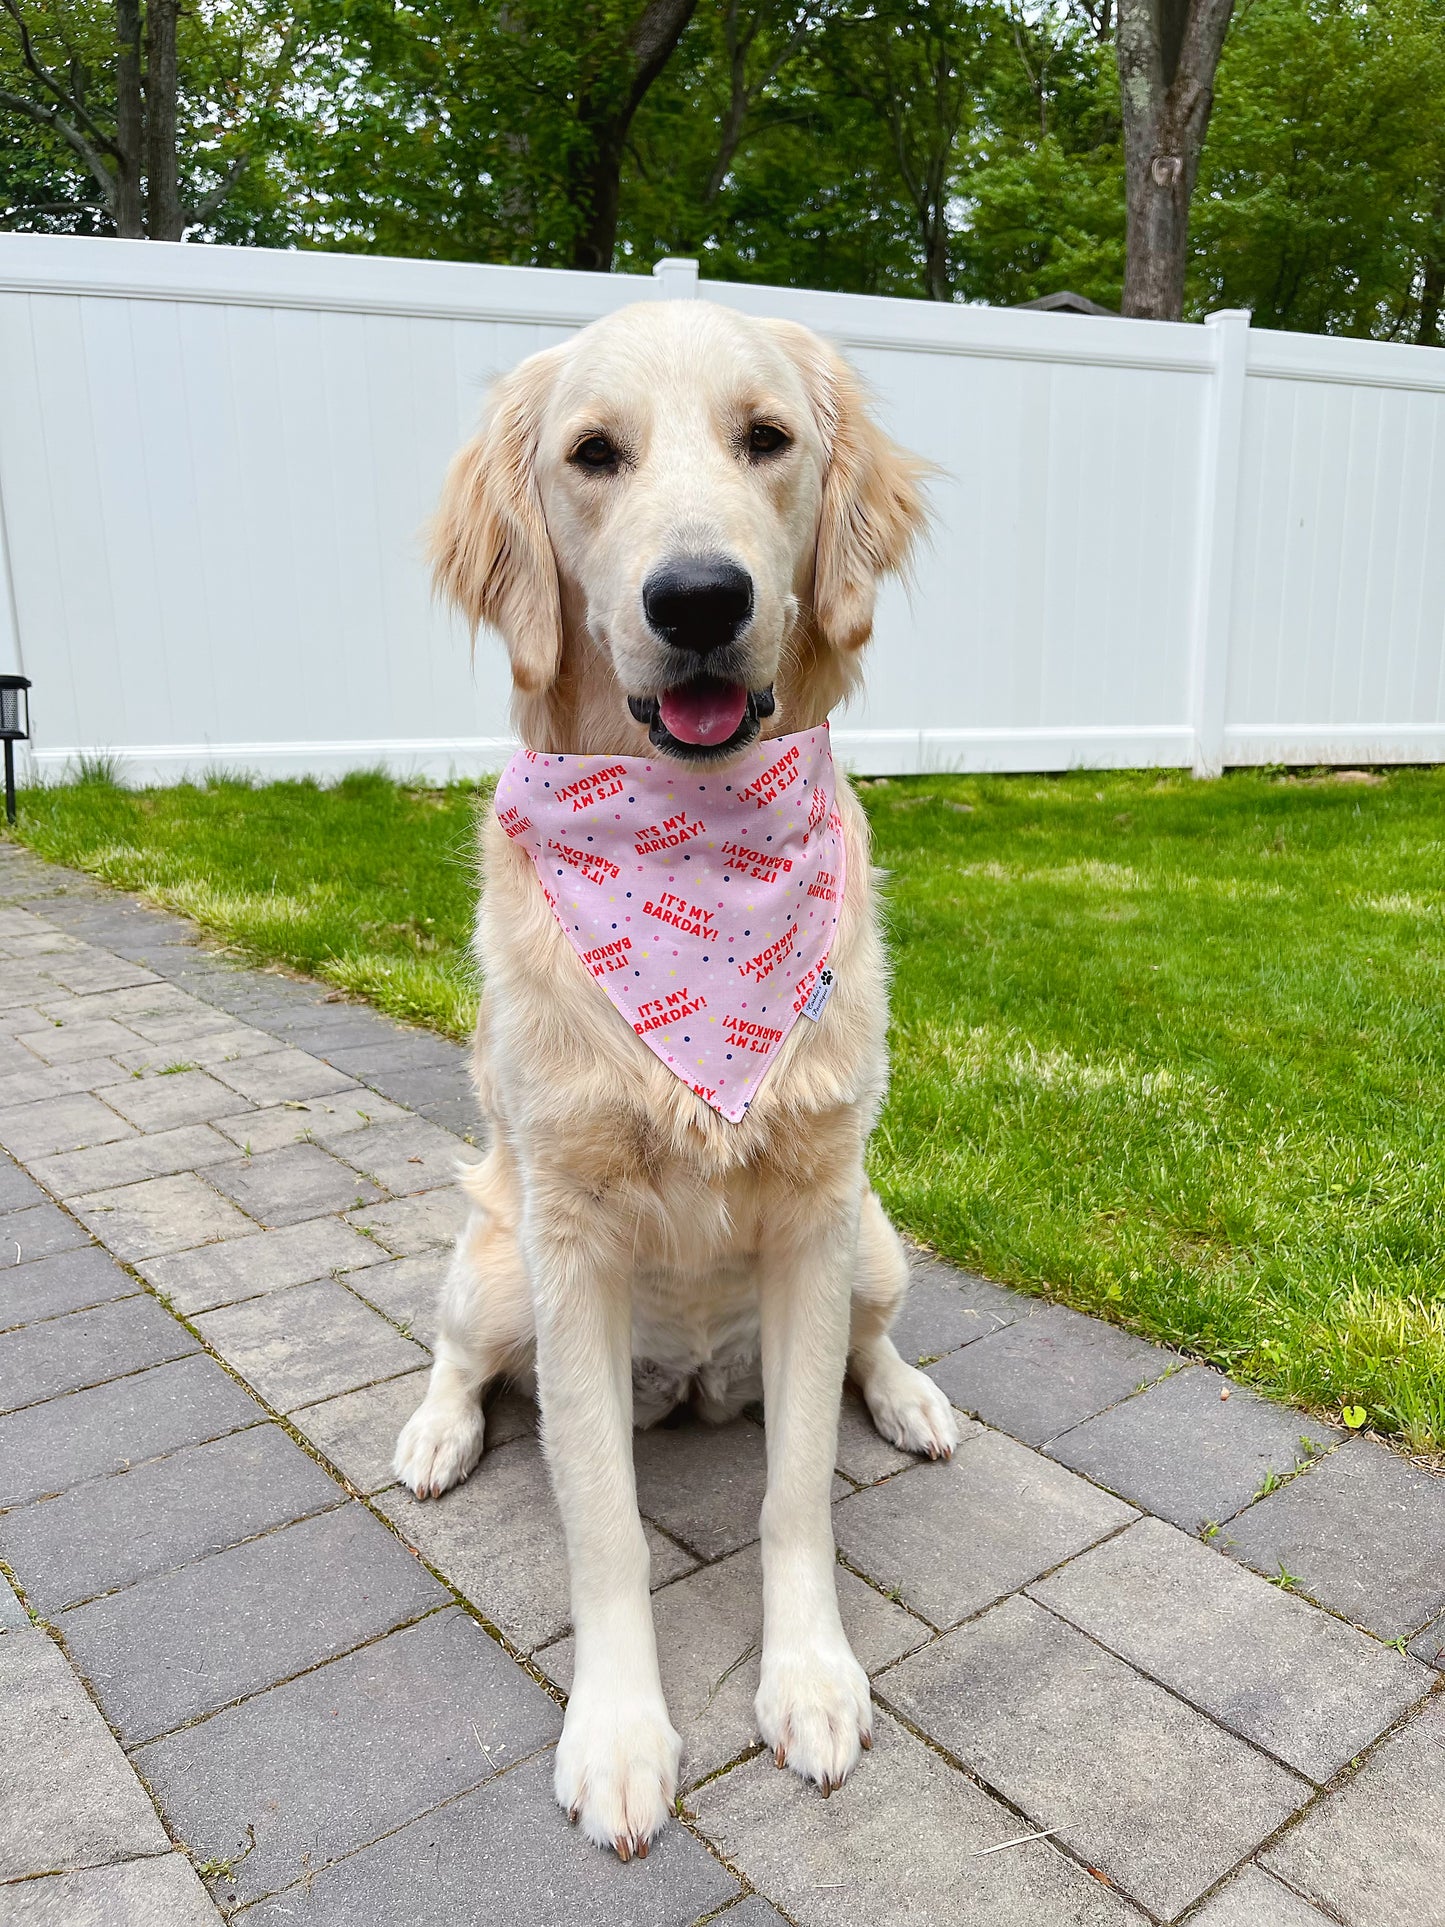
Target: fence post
column 676, row 279
column 1218, row 513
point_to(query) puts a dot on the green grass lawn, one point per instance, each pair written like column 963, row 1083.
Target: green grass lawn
column 1171, row 1051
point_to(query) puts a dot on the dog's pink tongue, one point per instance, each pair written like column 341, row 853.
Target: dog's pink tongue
column 704, row 711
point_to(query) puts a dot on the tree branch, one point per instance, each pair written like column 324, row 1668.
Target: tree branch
column 51, row 117
column 208, row 203
column 63, row 96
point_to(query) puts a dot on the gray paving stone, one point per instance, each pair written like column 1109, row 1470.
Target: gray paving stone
column 1373, row 1851
column 1045, row 1373
column 903, row 1844
column 1429, row 1646
column 406, row 1289
column 1363, row 1532
column 953, row 1538
column 1079, row 1741
column 15, row 1058
column 1254, row 1899
column 38, row 1231
column 308, row 1342
column 48, row 1447
column 458, row 1113
column 285, row 1187
column 171, row 1034
column 208, row 1050
column 220, row 1628
column 154, row 999
column 55, row 1743
column 47, row 1081
column 410, row 1226
column 709, row 1641
column 86, row 1348
column 498, row 1539
column 127, row 1526
column 427, row 1089
column 60, row 1124
column 165, row 1103
column 511, row 1414
column 90, row 970
column 139, row 1221
column 16, row 1189
column 946, row 1308
column 1300, row 1684
column 161, row 1892
column 69, row 1042
column 1183, row 1452
column 505, row 1854
column 357, row 1431
column 704, row 1484
column 416, row 1050
column 71, row 1280
column 244, row 1267
column 276, row 1076
column 326, row 1120
column 160, row 1154
column 751, row 1911
column 405, row 1156
column 13, row 1616
column 289, row 1780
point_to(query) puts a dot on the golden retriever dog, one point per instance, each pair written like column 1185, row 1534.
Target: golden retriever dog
column 680, row 513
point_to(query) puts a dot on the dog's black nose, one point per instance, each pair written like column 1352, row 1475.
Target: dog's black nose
column 700, row 603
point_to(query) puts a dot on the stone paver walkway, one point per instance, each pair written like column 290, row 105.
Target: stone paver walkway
column 1189, row 1643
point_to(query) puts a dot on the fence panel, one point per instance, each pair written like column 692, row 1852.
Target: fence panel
column 1153, row 544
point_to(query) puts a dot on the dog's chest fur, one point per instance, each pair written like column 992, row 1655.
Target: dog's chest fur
column 605, row 1129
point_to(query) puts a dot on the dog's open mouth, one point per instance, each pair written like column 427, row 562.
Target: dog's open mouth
column 704, row 717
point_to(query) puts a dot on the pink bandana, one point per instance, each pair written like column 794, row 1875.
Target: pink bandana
column 703, row 902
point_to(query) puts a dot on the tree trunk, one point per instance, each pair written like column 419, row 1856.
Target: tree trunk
column 164, row 219
column 937, row 274
column 129, row 122
column 1168, row 52
column 596, row 183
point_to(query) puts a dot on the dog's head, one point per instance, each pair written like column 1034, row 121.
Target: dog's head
column 698, row 501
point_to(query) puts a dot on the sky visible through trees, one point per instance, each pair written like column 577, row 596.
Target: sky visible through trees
column 957, row 150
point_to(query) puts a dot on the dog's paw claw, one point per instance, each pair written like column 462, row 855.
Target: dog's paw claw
column 616, row 1771
column 439, row 1445
column 815, row 1712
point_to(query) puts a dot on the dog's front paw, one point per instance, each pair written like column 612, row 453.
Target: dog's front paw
column 439, row 1445
column 815, row 1711
column 909, row 1411
column 616, row 1772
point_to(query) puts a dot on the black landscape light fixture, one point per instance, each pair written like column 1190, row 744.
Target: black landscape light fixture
column 14, row 728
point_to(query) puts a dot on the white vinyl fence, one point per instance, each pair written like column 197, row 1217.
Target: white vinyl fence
column 1156, row 544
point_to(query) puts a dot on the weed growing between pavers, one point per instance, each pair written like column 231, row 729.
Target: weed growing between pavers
column 1169, row 1050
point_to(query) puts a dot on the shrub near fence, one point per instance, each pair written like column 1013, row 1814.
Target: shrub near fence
column 1155, row 543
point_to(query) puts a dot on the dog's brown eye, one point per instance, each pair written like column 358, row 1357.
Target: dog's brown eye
column 595, row 453
column 765, row 438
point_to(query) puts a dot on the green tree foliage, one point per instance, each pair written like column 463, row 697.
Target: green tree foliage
column 1321, row 202
column 958, row 149
column 63, row 145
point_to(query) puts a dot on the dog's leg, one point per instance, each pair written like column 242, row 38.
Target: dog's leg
column 484, row 1332
column 813, row 1705
column 906, row 1407
column 618, row 1757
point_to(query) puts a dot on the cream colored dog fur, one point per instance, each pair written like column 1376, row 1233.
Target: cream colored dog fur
column 619, row 1226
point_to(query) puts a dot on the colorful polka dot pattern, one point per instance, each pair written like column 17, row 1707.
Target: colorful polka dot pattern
column 703, row 902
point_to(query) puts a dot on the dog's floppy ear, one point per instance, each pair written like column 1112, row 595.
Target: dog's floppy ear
column 873, row 507
column 490, row 550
